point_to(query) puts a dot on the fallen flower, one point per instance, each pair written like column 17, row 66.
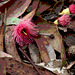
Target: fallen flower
column 25, row 33
column 64, row 20
column 72, row 8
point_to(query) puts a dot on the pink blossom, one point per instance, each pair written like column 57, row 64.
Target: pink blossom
column 28, row 27
column 72, row 8
column 64, row 20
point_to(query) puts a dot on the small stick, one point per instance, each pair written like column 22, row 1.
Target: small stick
column 30, row 60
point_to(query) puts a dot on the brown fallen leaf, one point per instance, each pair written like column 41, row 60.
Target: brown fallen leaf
column 29, row 15
column 32, row 13
column 18, row 8
column 10, row 44
column 33, row 5
column 14, row 6
column 51, row 28
column 14, row 67
column 42, row 49
column 43, row 5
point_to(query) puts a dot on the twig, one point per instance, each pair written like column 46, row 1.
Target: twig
column 30, row 60
column 4, row 27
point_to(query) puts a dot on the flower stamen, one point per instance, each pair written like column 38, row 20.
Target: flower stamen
column 24, row 32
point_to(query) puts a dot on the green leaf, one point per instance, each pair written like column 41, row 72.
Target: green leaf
column 12, row 21
column 63, row 56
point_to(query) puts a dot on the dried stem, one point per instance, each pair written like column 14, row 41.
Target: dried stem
column 30, row 60
column 4, row 27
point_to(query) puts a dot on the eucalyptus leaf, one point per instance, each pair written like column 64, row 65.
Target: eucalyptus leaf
column 13, row 21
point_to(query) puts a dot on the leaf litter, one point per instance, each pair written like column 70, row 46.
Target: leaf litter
column 50, row 51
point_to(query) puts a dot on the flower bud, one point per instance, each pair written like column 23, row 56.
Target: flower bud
column 64, row 20
column 72, row 9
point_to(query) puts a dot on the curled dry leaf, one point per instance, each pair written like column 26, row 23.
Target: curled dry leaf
column 10, row 44
column 14, row 67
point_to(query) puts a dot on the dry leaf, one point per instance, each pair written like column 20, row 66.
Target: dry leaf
column 14, row 67
column 10, row 44
column 48, row 27
column 3, row 54
column 30, row 15
column 17, row 10
column 42, row 49
column 34, row 53
column 55, row 66
column 51, row 52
